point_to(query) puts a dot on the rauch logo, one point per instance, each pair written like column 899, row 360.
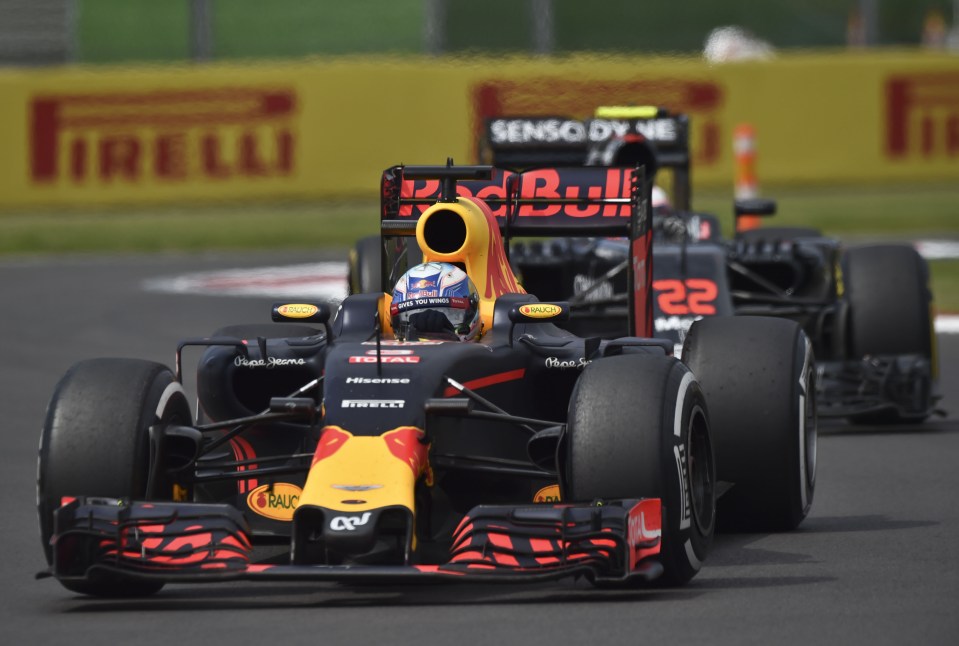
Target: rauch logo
column 214, row 134
column 277, row 501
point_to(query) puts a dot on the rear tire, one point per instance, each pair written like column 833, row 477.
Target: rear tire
column 95, row 442
column 365, row 266
column 638, row 428
column 890, row 310
column 890, row 301
column 758, row 376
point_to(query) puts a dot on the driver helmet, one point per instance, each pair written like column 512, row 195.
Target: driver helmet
column 435, row 300
column 660, row 198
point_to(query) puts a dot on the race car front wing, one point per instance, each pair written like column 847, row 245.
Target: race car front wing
column 612, row 541
column 899, row 384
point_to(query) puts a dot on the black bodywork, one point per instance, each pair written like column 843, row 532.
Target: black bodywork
column 789, row 272
column 474, row 429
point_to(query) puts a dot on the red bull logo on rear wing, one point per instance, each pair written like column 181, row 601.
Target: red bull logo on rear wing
column 547, row 201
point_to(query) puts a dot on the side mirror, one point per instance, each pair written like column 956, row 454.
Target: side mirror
column 539, row 313
column 303, row 313
column 754, row 206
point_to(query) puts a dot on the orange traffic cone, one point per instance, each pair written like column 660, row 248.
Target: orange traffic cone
column 747, row 186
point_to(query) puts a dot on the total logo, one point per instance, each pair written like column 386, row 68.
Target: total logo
column 384, row 359
column 349, row 523
column 377, row 380
column 566, row 364
column 373, row 403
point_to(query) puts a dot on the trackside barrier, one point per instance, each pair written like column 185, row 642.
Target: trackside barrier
column 90, row 136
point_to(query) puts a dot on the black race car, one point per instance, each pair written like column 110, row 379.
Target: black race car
column 331, row 451
column 868, row 309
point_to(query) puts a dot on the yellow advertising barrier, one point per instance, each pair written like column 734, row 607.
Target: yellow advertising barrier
column 92, row 136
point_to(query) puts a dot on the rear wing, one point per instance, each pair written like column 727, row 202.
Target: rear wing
column 539, row 202
column 659, row 139
column 572, row 201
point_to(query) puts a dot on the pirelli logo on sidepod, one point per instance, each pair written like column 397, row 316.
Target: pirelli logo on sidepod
column 172, row 135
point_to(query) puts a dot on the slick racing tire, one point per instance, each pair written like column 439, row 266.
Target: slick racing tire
column 95, row 442
column 638, row 428
column 364, row 266
column 890, row 309
column 758, row 375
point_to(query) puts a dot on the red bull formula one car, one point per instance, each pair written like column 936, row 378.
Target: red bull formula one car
column 328, row 450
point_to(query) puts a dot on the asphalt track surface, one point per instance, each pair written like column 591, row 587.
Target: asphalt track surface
column 876, row 562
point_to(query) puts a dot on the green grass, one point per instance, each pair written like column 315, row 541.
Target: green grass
column 119, row 31
column 850, row 213
column 945, row 285
column 288, row 225
column 901, row 211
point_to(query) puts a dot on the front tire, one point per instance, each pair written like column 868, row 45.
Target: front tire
column 638, row 428
column 95, row 442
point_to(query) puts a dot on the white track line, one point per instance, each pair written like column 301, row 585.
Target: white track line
column 321, row 280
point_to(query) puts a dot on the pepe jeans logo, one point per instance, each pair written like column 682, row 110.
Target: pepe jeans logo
column 270, row 362
column 349, row 523
column 565, row 364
